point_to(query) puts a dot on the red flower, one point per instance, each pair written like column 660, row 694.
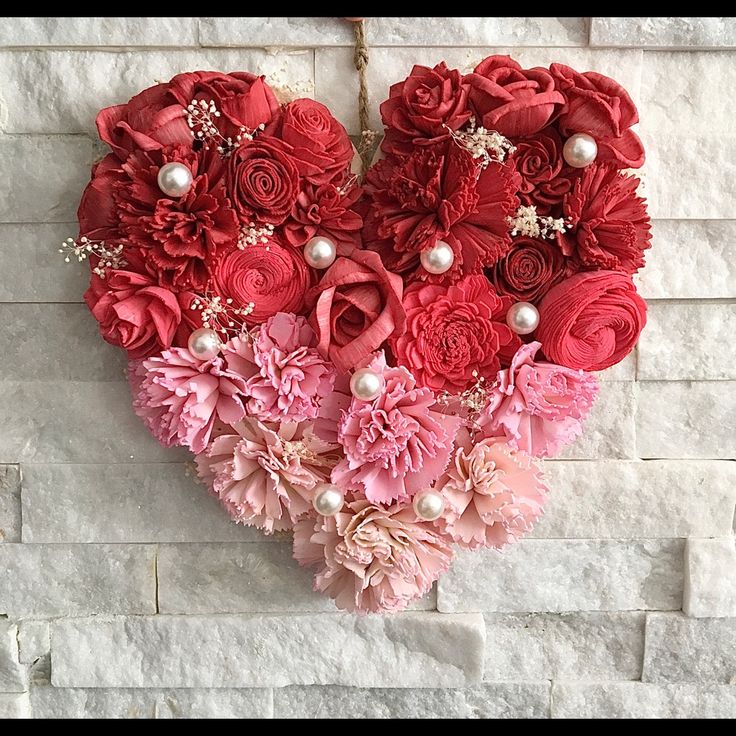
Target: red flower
column 263, row 181
column 591, row 321
column 98, row 213
column 356, row 307
column 611, row 227
column 455, row 334
column 325, row 211
column 439, row 194
column 601, row 107
column 529, row 270
column 319, row 143
column 243, row 100
column 273, row 277
column 420, row 109
column 514, row 101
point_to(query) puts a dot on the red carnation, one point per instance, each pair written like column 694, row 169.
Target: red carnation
column 611, row 227
column 455, row 334
column 591, row 321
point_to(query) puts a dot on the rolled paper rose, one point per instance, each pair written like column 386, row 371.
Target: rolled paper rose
column 514, row 101
column 591, row 321
column 355, row 308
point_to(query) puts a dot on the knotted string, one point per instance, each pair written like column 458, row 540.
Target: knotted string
column 360, row 59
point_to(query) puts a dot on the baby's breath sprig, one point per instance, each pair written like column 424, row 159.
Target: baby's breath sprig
column 110, row 256
column 484, row 145
column 202, row 121
column 254, row 234
column 218, row 314
column 470, row 402
column 528, row 223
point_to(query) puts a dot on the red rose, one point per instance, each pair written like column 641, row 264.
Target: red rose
column 529, row 270
column 435, row 194
column 263, row 181
column 455, row 334
column 150, row 120
column 356, row 307
column 611, row 227
column 242, row 99
column 325, row 210
column 514, row 101
column 591, row 321
column 98, row 213
column 420, row 109
column 601, row 107
column 320, row 144
column 272, row 277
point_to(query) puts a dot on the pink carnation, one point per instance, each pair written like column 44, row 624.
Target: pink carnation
column 493, row 493
column 265, row 474
column 372, row 559
column 180, row 397
column 394, row 445
column 539, row 407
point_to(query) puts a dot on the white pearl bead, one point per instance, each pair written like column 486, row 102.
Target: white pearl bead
column 428, row 505
column 522, row 318
column 174, row 179
column 328, row 499
column 580, row 150
column 320, row 252
column 204, row 344
column 366, row 384
column 439, row 259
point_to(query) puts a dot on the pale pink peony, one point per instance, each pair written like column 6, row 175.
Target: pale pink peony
column 493, row 494
column 180, row 397
column 539, row 407
column 265, row 474
column 394, row 445
column 372, row 559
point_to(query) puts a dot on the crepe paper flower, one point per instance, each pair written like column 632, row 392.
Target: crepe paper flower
column 372, row 559
column 179, row 397
column 493, row 494
column 394, row 445
column 265, row 474
column 539, row 407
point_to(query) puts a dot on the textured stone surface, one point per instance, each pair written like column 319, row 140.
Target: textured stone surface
column 74, row 421
column 690, row 259
column 642, row 700
column 34, row 640
column 49, row 174
column 566, row 575
column 78, row 83
column 686, row 342
column 495, row 700
column 98, row 31
column 54, row 702
column 609, row 430
column 681, row 649
column 623, row 371
column 13, row 676
column 10, row 519
column 657, row 32
column 638, row 499
column 573, row 646
column 405, row 650
column 14, row 705
column 148, row 502
column 271, row 32
column 710, row 578
column 74, row 580
column 47, row 342
column 686, row 419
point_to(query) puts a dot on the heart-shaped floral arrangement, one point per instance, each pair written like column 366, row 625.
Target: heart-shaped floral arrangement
column 372, row 366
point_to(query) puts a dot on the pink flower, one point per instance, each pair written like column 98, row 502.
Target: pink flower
column 371, row 559
column 179, row 397
column 293, row 378
column 265, row 474
column 493, row 493
column 539, row 407
column 394, row 445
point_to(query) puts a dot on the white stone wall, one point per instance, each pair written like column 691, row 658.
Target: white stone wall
column 125, row 592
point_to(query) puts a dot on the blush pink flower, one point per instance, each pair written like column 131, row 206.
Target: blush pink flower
column 265, row 474
column 394, row 445
column 293, row 378
column 493, row 494
column 372, row 559
column 539, row 407
column 180, row 397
